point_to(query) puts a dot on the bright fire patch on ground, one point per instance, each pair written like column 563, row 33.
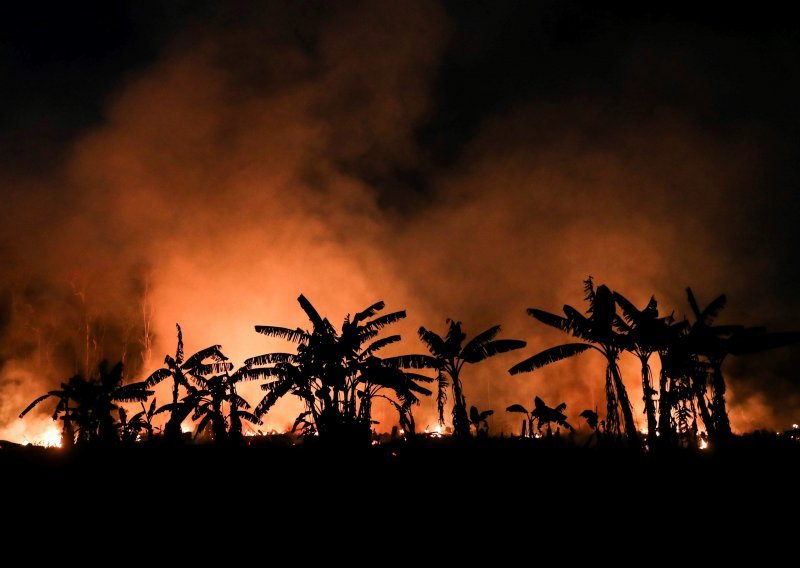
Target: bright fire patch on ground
column 50, row 439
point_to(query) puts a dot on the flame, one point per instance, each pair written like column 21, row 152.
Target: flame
column 703, row 444
column 51, row 438
column 436, row 432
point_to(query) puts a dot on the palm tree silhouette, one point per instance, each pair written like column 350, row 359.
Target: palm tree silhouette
column 94, row 402
column 108, row 392
column 62, row 411
column 337, row 375
column 131, row 430
column 598, row 333
column 646, row 333
column 450, row 357
column 215, row 392
column 527, row 422
column 479, row 421
column 713, row 344
column 542, row 415
column 180, row 370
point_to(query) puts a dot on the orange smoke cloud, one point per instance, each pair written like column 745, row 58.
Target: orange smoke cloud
column 248, row 165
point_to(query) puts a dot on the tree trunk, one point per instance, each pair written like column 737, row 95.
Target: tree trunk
column 722, row 424
column 664, row 408
column 649, row 404
column 627, row 412
column 460, row 418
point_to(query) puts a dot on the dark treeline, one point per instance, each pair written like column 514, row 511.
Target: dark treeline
column 338, row 374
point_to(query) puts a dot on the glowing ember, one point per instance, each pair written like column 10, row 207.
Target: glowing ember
column 795, row 426
column 186, row 429
column 703, row 444
column 643, row 431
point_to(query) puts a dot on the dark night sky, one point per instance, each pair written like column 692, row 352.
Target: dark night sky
column 693, row 109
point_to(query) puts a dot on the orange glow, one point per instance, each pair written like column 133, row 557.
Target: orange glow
column 201, row 202
column 51, row 438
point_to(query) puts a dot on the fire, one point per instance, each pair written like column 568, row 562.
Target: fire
column 436, row 432
column 703, row 444
column 51, row 438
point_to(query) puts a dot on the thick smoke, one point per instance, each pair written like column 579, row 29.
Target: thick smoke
column 259, row 158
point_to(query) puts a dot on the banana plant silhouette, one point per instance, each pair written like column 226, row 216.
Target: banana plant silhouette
column 180, row 370
column 542, row 415
column 94, row 400
column 646, row 334
column 108, row 391
column 715, row 343
column 63, row 411
column 450, row 357
column 479, row 421
column 337, row 375
column 216, row 391
column 140, row 424
column 598, row 333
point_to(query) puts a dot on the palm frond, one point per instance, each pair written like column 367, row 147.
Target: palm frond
column 277, row 389
column 379, row 344
column 433, row 341
column 713, row 309
column 693, row 304
column 483, row 337
column 479, row 352
column 293, row 335
column 34, row 403
column 550, row 319
column 549, row 356
column 368, row 313
column 264, row 373
column 418, row 377
column 311, row 311
column 631, row 313
column 204, row 369
column 250, row 417
column 517, row 408
column 213, row 352
column 157, row 377
column 270, row 358
column 383, row 321
column 134, row 392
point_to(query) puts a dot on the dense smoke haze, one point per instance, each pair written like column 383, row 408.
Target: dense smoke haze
column 206, row 164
